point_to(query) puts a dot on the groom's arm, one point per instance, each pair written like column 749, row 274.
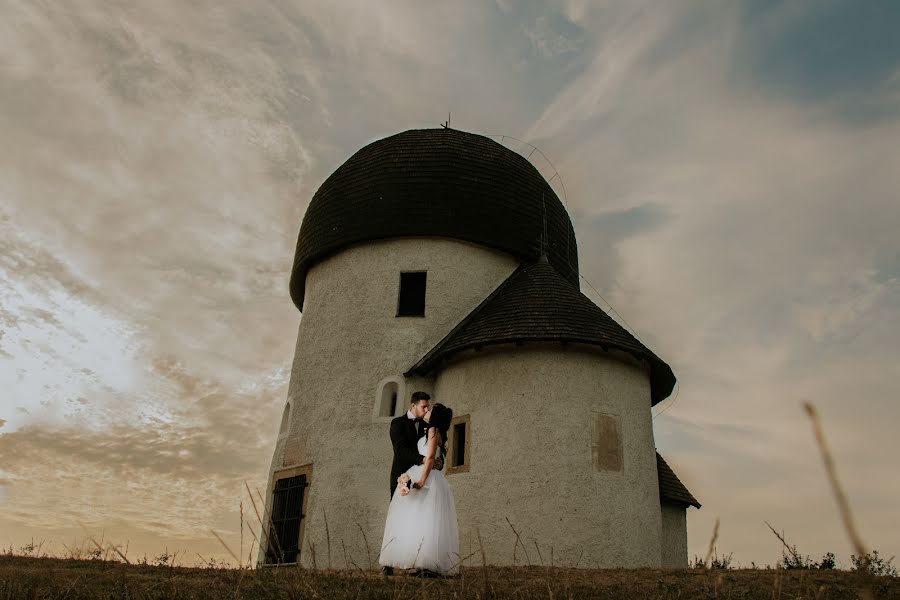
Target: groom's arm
column 401, row 449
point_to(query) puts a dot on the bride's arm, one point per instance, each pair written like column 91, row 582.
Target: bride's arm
column 428, row 463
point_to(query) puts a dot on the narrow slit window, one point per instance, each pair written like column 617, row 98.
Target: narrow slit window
column 412, row 294
column 459, row 449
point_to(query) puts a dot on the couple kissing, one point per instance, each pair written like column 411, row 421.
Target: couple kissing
column 421, row 531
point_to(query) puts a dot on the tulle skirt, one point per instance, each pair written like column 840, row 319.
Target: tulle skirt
column 421, row 531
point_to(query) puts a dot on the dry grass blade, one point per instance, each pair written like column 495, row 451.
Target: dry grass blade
column 119, row 552
column 712, row 544
column 256, row 510
column 366, row 542
column 230, row 551
column 253, row 533
column 795, row 556
column 99, row 547
column 541, row 558
column 487, row 590
column 271, row 527
column 841, row 498
column 312, row 554
column 250, row 555
column 460, row 561
column 518, row 542
column 327, row 537
column 580, row 555
column 837, row 490
column 262, row 527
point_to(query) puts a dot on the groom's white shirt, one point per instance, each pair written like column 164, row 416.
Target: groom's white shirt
column 412, row 417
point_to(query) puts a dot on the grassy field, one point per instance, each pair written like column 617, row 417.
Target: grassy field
column 51, row 578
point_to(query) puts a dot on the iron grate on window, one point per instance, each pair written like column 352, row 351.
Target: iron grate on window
column 287, row 512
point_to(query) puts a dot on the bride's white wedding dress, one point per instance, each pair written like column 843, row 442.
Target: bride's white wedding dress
column 421, row 530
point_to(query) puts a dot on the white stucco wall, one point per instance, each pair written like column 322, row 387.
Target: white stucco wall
column 349, row 340
column 674, row 536
column 531, row 459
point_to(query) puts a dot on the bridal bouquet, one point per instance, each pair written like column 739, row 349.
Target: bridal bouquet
column 403, row 483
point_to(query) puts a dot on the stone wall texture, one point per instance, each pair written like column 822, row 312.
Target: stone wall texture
column 531, row 461
column 674, row 536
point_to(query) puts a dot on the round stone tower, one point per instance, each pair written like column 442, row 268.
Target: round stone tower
column 439, row 260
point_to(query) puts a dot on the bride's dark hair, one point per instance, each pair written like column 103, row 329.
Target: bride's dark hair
column 440, row 418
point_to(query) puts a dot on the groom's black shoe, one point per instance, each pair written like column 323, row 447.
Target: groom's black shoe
column 387, row 571
column 427, row 573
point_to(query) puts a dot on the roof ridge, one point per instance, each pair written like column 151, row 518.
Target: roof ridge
column 465, row 321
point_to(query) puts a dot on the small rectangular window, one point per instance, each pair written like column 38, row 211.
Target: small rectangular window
column 412, row 294
column 458, row 450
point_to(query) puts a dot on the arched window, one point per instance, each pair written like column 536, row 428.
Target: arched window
column 285, row 418
column 389, row 399
column 388, row 407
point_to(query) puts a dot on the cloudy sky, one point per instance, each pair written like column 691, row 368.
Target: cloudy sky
column 731, row 170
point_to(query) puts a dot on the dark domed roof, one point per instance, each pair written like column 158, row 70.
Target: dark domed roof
column 536, row 304
column 435, row 182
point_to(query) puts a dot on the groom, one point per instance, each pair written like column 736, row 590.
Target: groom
column 405, row 433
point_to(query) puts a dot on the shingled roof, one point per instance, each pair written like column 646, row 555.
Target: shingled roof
column 671, row 490
column 435, row 182
column 537, row 304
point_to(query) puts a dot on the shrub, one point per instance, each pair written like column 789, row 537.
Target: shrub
column 874, row 564
column 715, row 562
column 827, row 561
column 795, row 560
column 163, row 560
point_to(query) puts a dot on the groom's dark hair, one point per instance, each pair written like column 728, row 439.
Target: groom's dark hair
column 418, row 396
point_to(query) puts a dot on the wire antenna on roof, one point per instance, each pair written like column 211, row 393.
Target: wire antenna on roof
column 556, row 176
column 446, row 124
column 572, row 269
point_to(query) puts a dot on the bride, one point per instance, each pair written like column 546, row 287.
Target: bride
column 421, row 530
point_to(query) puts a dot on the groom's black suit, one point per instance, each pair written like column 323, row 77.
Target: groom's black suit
column 406, row 451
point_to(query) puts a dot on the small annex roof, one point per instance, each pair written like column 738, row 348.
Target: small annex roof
column 537, row 304
column 671, row 490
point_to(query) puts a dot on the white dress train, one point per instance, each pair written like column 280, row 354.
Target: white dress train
column 421, row 531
